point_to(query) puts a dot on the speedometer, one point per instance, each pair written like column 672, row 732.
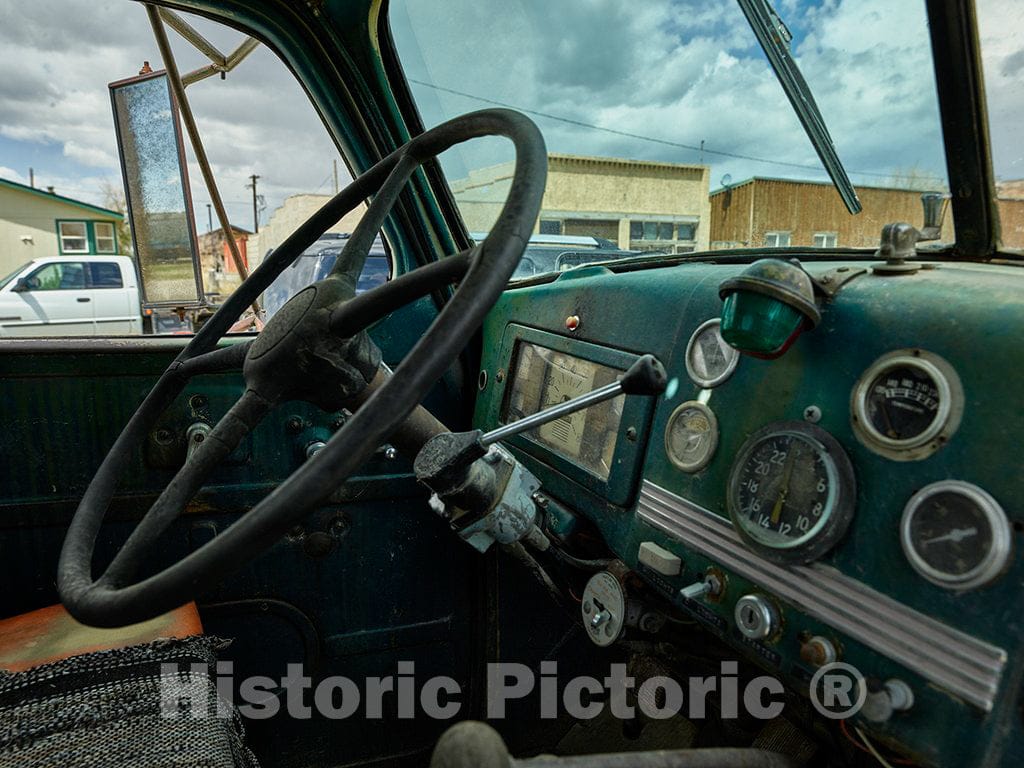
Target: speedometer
column 907, row 404
column 791, row 492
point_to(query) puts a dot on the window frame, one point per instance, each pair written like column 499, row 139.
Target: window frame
column 778, row 234
column 90, row 269
column 91, row 247
column 60, row 237
column 97, row 237
column 825, row 236
column 85, row 277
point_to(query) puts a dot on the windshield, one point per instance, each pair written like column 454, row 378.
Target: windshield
column 14, row 274
column 667, row 129
column 1002, row 56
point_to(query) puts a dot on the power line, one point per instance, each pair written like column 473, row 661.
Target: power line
column 641, row 137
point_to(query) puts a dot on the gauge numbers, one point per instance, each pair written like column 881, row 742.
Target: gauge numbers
column 907, row 404
column 955, row 535
column 709, row 358
column 568, row 378
column 791, row 492
column 691, row 436
column 544, row 377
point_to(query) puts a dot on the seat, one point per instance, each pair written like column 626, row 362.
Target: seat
column 134, row 697
column 51, row 634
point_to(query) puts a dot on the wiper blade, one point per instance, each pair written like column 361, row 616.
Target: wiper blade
column 774, row 37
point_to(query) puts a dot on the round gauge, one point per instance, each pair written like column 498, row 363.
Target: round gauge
column 791, row 492
column 955, row 535
column 709, row 358
column 603, row 607
column 691, row 436
column 907, row 404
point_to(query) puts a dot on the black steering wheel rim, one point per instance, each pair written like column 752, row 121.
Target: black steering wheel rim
column 484, row 271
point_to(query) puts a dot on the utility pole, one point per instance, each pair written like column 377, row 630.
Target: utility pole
column 702, row 151
column 335, row 176
column 209, row 218
column 255, row 210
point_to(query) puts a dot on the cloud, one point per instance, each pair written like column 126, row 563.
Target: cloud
column 999, row 26
column 685, row 73
column 55, row 105
column 682, row 72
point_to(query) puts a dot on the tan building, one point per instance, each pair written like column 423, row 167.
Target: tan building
column 36, row 223
column 220, row 276
column 638, row 205
column 788, row 212
column 1010, row 203
column 290, row 216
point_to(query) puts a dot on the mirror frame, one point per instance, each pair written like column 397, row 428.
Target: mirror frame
column 199, row 301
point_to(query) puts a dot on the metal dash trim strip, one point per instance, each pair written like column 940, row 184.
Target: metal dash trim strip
column 963, row 665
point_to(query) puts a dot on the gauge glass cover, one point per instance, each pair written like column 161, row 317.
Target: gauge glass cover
column 691, row 436
column 709, row 358
column 791, row 492
column 907, row 404
column 955, row 535
column 903, row 402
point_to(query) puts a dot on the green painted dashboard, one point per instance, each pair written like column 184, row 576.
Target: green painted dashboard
column 959, row 652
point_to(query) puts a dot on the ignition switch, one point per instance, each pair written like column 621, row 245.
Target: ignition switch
column 608, row 609
column 756, row 617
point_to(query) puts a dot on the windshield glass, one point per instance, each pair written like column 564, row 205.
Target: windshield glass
column 14, row 274
column 666, row 128
column 1002, row 56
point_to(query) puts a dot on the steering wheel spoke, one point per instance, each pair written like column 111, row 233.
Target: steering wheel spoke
column 314, row 349
column 228, row 358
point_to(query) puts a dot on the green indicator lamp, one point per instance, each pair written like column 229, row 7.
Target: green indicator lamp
column 766, row 307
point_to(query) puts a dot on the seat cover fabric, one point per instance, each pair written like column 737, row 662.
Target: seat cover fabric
column 123, row 708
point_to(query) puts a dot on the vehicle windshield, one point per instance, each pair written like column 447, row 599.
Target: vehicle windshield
column 14, row 274
column 1002, row 57
column 667, row 129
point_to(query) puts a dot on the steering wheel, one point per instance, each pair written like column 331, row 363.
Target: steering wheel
column 316, row 349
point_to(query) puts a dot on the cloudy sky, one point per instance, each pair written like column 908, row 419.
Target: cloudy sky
column 671, row 74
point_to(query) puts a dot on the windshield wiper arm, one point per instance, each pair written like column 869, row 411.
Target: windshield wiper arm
column 774, row 37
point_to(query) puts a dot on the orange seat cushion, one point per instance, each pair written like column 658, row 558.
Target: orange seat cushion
column 50, row 634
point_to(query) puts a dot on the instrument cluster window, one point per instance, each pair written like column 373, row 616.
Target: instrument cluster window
column 544, row 378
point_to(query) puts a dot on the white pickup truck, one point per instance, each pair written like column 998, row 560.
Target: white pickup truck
column 71, row 296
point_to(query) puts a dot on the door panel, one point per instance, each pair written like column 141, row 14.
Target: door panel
column 57, row 304
column 111, row 299
column 371, row 578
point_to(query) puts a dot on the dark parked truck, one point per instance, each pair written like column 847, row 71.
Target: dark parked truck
column 650, row 475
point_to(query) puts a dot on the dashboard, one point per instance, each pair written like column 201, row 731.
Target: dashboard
column 854, row 500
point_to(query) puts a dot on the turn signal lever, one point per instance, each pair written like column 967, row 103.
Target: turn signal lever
column 487, row 495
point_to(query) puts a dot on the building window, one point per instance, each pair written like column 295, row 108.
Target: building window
column 106, row 242
column 660, row 230
column 86, row 237
column 61, row 276
column 550, row 227
column 73, row 237
column 776, row 239
column 825, row 239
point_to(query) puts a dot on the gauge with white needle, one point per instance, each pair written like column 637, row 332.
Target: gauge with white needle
column 955, row 535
